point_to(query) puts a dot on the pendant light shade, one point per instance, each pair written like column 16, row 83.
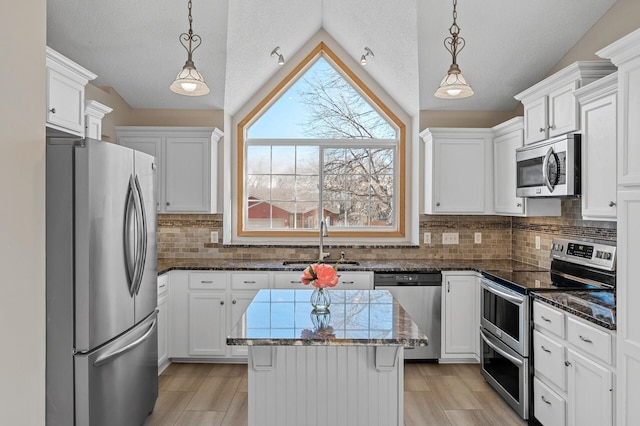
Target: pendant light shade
column 454, row 85
column 189, row 81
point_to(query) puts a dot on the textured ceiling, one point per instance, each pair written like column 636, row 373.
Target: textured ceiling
column 133, row 45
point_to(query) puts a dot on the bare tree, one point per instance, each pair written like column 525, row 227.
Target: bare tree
column 357, row 181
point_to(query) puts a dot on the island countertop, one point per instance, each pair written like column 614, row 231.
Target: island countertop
column 356, row 318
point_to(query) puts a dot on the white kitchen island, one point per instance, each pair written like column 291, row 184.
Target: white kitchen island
column 343, row 369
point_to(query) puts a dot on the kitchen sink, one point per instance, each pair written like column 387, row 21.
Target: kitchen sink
column 308, row 262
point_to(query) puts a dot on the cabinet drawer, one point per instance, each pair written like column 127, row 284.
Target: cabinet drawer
column 549, row 359
column 548, row 318
column 208, row 280
column 550, row 408
column 355, row 280
column 249, row 280
column 163, row 284
column 288, row 280
column 591, row 340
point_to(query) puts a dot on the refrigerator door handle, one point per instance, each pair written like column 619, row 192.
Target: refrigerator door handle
column 116, row 353
column 141, row 249
column 129, row 232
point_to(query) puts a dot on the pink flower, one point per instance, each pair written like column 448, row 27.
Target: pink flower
column 320, row 275
column 327, row 276
column 307, row 276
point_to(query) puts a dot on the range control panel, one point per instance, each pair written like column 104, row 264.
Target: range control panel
column 597, row 255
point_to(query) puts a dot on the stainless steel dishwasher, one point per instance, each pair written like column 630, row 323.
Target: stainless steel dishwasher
column 420, row 295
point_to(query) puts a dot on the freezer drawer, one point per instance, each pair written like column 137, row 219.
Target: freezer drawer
column 118, row 383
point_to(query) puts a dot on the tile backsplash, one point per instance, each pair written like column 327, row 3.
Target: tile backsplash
column 502, row 237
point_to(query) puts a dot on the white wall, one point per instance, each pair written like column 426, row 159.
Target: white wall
column 22, row 216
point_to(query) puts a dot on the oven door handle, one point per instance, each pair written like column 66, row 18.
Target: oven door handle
column 511, row 298
column 495, row 347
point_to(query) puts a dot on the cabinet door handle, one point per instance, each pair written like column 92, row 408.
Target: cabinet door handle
column 206, row 282
column 542, row 129
column 545, row 318
column 163, row 286
column 249, row 282
column 347, row 282
column 519, row 205
column 611, row 204
column 567, row 363
column 545, row 349
column 448, row 287
column 168, row 203
column 438, row 204
column 234, row 301
column 545, row 400
column 222, row 302
column 52, row 110
column 294, row 282
column 585, row 339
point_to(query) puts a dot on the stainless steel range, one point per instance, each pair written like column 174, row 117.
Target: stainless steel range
column 505, row 311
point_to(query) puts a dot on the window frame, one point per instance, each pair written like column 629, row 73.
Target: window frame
column 399, row 145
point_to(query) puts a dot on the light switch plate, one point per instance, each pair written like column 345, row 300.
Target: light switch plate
column 477, row 238
column 449, row 238
column 537, row 242
column 427, row 237
column 214, row 236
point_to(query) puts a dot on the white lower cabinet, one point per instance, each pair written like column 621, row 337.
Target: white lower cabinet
column 163, row 321
column 207, row 323
column 574, row 375
column 460, row 316
column 589, row 393
column 205, row 306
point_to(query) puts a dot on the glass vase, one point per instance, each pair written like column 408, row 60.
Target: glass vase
column 320, row 300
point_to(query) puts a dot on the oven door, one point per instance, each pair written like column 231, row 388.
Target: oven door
column 505, row 313
column 506, row 371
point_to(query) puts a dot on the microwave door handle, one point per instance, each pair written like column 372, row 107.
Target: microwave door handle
column 493, row 346
column 511, row 298
column 545, row 169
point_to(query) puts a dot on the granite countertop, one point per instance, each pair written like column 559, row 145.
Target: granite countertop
column 356, row 318
column 392, row 265
column 596, row 306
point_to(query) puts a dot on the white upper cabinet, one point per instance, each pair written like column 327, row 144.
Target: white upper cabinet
column 598, row 102
column 625, row 53
column 187, row 158
column 458, row 171
column 508, row 138
column 65, row 94
column 550, row 109
column 94, row 113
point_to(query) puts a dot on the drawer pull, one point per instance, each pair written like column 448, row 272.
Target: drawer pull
column 545, row 349
column 584, row 339
column 163, row 286
column 294, row 282
column 348, row 282
column 545, row 318
column 206, row 282
column 567, row 363
column 545, row 400
column 249, row 282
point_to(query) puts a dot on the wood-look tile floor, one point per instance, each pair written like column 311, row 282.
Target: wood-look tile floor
column 434, row 394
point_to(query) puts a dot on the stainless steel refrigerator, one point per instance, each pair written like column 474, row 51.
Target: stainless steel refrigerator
column 102, row 349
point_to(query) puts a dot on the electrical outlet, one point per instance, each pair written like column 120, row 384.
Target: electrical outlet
column 449, row 238
column 537, row 242
column 477, row 238
column 214, row 236
column 427, row 237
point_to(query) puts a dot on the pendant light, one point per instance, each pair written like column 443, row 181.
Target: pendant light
column 454, row 85
column 189, row 81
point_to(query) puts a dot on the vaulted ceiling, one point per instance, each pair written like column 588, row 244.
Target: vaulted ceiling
column 133, row 45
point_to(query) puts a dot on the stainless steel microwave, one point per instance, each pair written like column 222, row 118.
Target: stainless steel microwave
column 550, row 168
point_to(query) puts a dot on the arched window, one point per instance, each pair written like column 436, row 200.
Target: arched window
column 321, row 146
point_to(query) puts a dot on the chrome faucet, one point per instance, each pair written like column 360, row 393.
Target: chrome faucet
column 323, row 233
